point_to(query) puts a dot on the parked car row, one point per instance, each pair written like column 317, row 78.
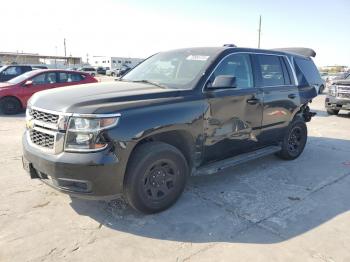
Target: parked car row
column 118, row 72
column 15, row 92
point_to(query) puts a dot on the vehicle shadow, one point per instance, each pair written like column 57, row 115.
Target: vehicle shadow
column 19, row 115
column 266, row 201
column 323, row 113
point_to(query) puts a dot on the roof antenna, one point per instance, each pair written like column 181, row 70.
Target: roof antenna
column 229, row 45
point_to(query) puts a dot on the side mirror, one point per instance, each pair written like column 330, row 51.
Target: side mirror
column 28, row 83
column 224, row 81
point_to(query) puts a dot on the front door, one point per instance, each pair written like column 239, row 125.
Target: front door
column 40, row 82
column 233, row 121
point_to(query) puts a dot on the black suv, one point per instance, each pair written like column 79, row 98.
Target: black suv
column 12, row 71
column 184, row 112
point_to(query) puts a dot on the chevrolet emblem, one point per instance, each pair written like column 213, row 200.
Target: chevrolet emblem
column 30, row 124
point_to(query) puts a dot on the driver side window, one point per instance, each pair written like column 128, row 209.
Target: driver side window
column 237, row 65
column 45, row 78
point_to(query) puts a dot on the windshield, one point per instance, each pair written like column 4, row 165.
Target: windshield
column 174, row 69
column 22, row 77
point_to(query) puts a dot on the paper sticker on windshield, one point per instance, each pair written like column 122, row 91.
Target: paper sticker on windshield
column 197, row 57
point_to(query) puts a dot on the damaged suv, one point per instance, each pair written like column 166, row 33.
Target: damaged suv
column 184, row 112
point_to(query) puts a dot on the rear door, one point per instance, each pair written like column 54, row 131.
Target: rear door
column 233, row 120
column 280, row 95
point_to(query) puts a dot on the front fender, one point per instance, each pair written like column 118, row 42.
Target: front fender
column 137, row 124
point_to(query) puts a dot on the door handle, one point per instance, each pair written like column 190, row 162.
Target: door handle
column 253, row 101
column 292, row 96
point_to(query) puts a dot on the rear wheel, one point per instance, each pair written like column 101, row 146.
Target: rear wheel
column 10, row 106
column 294, row 140
column 332, row 111
column 113, row 74
column 155, row 177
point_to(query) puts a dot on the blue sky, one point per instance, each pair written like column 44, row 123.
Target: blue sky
column 140, row 28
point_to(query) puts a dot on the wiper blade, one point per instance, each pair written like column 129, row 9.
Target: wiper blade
column 149, row 82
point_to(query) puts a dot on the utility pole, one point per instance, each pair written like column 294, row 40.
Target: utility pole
column 55, row 56
column 65, row 49
column 259, row 31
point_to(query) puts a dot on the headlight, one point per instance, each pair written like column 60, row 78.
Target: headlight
column 84, row 133
column 332, row 90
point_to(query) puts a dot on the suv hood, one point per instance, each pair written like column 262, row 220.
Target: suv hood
column 101, row 98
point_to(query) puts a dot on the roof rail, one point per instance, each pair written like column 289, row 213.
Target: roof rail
column 298, row 50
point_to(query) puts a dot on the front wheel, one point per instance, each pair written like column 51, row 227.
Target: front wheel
column 10, row 106
column 155, row 177
column 320, row 91
column 332, row 111
column 294, row 140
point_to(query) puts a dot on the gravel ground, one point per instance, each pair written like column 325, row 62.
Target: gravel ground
column 267, row 210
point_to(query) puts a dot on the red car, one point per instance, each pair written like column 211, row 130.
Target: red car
column 15, row 93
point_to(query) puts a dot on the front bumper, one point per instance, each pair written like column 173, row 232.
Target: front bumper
column 336, row 103
column 85, row 175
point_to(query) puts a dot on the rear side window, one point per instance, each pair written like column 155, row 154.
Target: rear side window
column 70, row 77
column 271, row 70
column 237, row 65
column 308, row 69
column 26, row 69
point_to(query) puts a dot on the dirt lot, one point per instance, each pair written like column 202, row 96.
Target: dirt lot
column 267, row 210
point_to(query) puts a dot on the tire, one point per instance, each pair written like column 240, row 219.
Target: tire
column 93, row 74
column 320, row 91
column 10, row 105
column 113, row 74
column 155, row 177
column 294, row 140
column 332, row 111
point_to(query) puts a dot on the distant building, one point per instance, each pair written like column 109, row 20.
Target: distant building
column 7, row 58
column 334, row 68
column 114, row 62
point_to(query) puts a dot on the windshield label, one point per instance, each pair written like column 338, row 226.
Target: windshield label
column 197, row 57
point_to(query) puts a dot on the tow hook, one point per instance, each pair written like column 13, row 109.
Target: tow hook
column 307, row 114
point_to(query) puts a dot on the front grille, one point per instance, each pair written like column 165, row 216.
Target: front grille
column 43, row 116
column 42, row 139
column 344, row 95
column 344, row 88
